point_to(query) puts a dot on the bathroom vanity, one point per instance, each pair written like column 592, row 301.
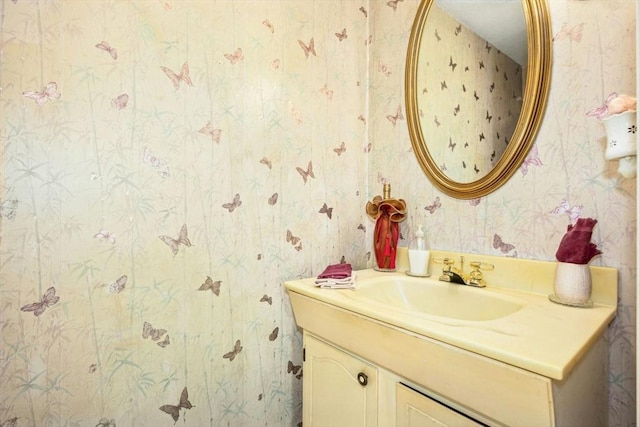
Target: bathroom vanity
column 406, row 351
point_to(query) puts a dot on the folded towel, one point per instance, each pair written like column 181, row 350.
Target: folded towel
column 343, row 283
column 336, row 271
column 576, row 247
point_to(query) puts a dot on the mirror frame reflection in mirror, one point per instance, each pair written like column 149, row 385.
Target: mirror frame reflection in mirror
column 533, row 104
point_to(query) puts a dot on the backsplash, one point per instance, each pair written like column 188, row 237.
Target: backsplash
column 167, row 165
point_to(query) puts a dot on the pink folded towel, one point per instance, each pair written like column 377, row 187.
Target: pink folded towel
column 576, row 246
column 336, row 271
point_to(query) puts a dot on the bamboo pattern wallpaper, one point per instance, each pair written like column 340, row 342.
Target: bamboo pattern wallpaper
column 167, row 165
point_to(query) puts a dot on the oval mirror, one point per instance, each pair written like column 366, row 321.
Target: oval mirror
column 476, row 85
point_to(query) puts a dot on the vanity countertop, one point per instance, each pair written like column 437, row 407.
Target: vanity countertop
column 542, row 337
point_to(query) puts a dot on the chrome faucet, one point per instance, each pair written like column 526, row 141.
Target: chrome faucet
column 453, row 275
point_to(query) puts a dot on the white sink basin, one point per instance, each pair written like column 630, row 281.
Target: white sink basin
column 431, row 297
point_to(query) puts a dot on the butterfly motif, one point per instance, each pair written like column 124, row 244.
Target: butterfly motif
column 275, row 64
column 266, row 298
column 92, row 368
column 297, row 115
column 564, row 207
column 210, row 284
column 120, row 101
column 340, row 149
column 436, row 121
column 343, row 35
column 363, row 10
column 393, row 4
column 362, row 119
column 308, row 49
column 458, row 30
column 273, row 199
column 398, row 116
column 305, row 174
column 166, row 5
column 165, row 342
column 294, row 369
column 295, row 241
column 434, row 206
column 481, row 136
column 452, row 64
column 48, row 299
column 368, row 41
column 149, row 331
column 452, row 144
column 274, row 334
column 49, row 92
column 157, row 163
column 475, row 95
column 266, row 162
column 362, row 227
column 474, row 202
column 326, row 209
column 237, row 348
column 182, row 239
column 443, row 85
column 259, row 257
column 456, row 110
column 499, row 244
column 475, row 168
column 488, row 117
column 367, row 148
column 602, row 111
column 233, row 205
column 103, row 45
column 235, row 57
column 269, row 25
column 435, row 33
column 104, row 422
column 12, row 422
column 118, row 286
column 384, row 69
column 209, row 130
column 532, row 159
column 174, row 410
column 326, row 91
column 177, row 78
column 480, row 64
column 492, row 87
column 8, row 209
column 567, row 32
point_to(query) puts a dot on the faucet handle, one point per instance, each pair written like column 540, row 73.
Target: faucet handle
column 475, row 277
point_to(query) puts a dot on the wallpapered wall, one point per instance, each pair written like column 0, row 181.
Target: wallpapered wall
column 467, row 78
column 167, row 165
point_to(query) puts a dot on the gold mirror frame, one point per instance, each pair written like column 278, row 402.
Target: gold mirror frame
column 534, row 102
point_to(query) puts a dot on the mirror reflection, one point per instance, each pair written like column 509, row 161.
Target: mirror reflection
column 471, row 74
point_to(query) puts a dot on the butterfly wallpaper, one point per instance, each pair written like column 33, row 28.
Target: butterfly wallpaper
column 466, row 77
column 166, row 165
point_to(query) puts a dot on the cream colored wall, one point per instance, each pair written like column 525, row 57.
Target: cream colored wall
column 87, row 189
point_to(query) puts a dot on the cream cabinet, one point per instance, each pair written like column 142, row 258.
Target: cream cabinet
column 338, row 388
column 414, row 409
column 343, row 390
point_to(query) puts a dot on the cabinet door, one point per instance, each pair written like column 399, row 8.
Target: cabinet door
column 339, row 390
column 414, row 409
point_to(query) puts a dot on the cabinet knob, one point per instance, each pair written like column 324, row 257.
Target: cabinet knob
column 363, row 379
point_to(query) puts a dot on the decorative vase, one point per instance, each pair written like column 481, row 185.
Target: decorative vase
column 387, row 213
column 573, row 284
column 621, row 141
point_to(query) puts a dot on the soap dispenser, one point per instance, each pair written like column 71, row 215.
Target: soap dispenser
column 419, row 255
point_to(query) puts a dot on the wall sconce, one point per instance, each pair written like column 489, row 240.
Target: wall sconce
column 618, row 114
column 621, row 141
